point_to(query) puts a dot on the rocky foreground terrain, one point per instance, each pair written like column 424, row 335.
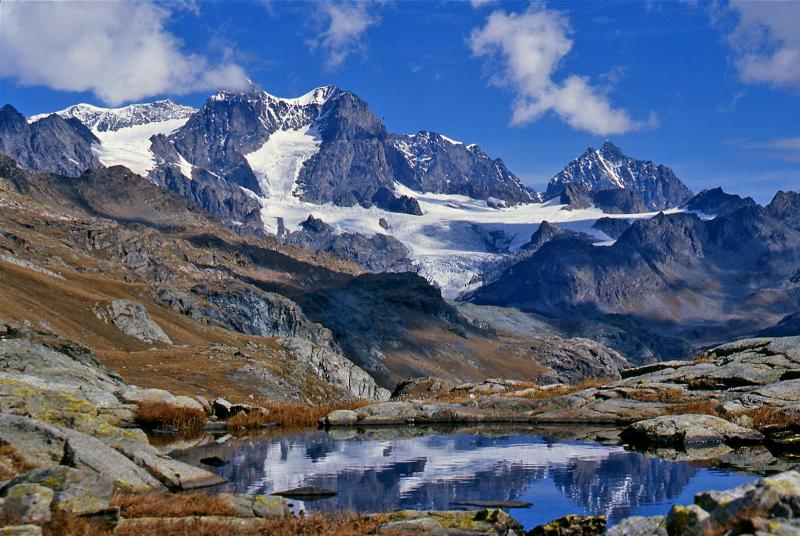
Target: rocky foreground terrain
column 73, row 456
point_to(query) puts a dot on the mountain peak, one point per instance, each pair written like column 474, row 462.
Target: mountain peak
column 652, row 187
column 610, row 150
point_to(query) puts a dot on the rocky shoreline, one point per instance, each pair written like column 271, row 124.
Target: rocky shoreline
column 71, row 446
column 748, row 384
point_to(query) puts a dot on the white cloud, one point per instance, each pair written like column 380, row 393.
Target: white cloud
column 766, row 42
column 120, row 51
column 345, row 23
column 782, row 148
column 477, row 4
column 530, row 46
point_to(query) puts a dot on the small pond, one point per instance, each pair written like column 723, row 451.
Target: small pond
column 382, row 469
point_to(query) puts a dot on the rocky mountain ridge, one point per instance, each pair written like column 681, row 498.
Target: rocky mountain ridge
column 609, row 169
column 676, row 273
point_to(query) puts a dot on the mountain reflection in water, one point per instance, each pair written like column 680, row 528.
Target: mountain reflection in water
column 384, row 470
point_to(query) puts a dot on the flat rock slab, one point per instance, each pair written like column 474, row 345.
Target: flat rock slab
column 306, row 492
column 689, row 430
column 495, row 504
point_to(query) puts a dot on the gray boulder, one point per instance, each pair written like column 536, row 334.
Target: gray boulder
column 27, row 503
column 133, row 320
column 689, row 430
column 77, row 491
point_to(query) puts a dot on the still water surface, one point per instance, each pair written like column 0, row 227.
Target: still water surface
column 383, row 470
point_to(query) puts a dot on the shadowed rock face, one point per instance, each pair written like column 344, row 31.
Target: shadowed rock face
column 715, row 202
column 430, row 162
column 673, row 272
column 376, row 253
column 50, row 144
column 613, row 227
column 653, row 186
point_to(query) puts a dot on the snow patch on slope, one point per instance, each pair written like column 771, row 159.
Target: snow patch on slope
column 130, row 146
column 278, row 162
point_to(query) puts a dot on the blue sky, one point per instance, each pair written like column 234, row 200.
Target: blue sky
column 711, row 90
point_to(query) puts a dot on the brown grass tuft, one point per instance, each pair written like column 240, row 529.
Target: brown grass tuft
column 289, row 414
column 696, row 407
column 766, row 416
column 316, row 524
column 134, row 505
column 160, row 415
column 671, row 395
column 12, row 462
column 65, row 524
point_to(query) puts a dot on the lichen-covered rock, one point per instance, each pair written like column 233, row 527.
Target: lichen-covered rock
column 689, row 430
column 260, row 506
column 76, row 491
column 27, row 503
column 478, row 522
column 683, row 519
column 572, row 525
column 639, row 526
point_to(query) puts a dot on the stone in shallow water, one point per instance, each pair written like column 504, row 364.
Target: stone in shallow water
column 305, row 492
column 495, row 504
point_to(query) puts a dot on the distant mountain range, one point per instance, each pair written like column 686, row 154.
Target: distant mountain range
column 322, row 172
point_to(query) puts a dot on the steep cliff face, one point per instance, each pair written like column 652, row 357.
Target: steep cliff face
column 50, row 144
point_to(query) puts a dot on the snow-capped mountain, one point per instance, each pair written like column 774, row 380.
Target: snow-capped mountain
column 112, row 119
column 654, row 185
column 262, row 163
column 442, row 165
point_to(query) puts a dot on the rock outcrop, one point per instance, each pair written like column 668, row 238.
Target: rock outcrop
column 730, row 381
column 62, row 409
column 133, row 320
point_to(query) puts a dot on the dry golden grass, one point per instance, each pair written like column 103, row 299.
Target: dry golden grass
column 134, row 505
column 12, row 462
column 766, row 416
column 162, row 415
column 292, row 415
column 64, row 524
column 696, row 407
column 317, row 524
column 670, row 395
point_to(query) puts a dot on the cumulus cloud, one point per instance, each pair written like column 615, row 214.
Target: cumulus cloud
column 766, row 42
column 120, row 51
column 344, row 26
column 477, row 4
column 529, row 47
